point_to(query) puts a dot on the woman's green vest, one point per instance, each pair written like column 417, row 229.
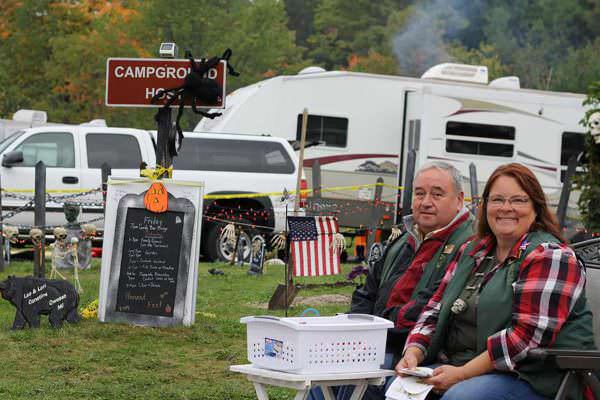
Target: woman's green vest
column 494, row 313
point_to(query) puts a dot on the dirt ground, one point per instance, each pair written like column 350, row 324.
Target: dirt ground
column 313, row 301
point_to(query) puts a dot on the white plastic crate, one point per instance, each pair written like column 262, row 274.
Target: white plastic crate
column 304, row 345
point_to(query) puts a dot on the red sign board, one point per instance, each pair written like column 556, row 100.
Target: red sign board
column 131, row 82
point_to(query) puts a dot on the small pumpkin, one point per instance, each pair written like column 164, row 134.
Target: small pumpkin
column 156, row 198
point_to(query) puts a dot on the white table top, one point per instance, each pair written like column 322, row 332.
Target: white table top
column 250, row 369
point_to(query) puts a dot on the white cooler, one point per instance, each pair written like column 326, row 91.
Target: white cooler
column 305, row 345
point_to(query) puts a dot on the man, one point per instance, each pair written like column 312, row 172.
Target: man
column 400, row 284
column 403, row 280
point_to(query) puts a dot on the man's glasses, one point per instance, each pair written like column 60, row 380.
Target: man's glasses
column 514, row 201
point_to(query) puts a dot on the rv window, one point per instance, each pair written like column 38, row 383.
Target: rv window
column 203, row 154
column 55, row 149
column 101, row 148
column 572, row 144
column 480, row 148
column 480, row 130
column 480, row 139
column 332, row 131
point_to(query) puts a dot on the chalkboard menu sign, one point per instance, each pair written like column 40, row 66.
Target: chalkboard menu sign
column 150, row 272
column 148, row 278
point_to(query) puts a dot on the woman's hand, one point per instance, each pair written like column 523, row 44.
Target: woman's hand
column 445, row 377
column 412, row 357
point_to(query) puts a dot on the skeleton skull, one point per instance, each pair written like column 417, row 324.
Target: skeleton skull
column 11, row 233
column 89, row 230
column 60, row 233
column 594, row 124
column 36, row 235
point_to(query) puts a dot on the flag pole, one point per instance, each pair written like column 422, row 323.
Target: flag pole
column 290, row 279
column 287, row 261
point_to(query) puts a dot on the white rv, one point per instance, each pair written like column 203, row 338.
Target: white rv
column 366, row 123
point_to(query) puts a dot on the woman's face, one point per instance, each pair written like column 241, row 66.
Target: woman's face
column 510, row 211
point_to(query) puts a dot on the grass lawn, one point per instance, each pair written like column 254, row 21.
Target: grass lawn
column 93, row 360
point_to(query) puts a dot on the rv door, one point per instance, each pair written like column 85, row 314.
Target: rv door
column 411, row 139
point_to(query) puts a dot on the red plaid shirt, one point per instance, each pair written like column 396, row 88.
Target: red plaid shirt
column 550, row 282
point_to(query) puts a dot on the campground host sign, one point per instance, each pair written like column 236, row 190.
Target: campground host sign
column 132, row 82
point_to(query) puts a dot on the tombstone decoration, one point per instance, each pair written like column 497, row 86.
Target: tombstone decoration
column 375, row 253
column 589, row 252
column 149, row 265
column 33, row 297
column 243, row 252
column 257, row 256
column 83, row 233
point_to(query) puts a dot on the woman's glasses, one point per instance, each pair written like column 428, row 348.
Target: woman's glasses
column 514, row 201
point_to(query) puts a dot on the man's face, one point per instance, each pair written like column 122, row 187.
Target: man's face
column 435, row 200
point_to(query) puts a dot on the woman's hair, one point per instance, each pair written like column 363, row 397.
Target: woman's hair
column 545, row 219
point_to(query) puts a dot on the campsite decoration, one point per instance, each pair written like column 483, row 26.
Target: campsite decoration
column 33, row 297
column 594, row 125
column 156, row 198
column 149, row 268
column 91, row 310
column 375, row 253
column 396, row 232
column 11, row 235
column 74, row 251
column 84, row 234
column 257, row 256
column 36, row 236
column 59, row 251
column 313, row 247
column 197, row 88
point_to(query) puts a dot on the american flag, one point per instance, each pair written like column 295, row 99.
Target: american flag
column 311, row 246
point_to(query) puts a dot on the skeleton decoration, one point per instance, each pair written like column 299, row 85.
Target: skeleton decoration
column 88, row 230
column 594, row 125
column 65, row 253
column 11, row 235
column 36, row 235
column 278, row 241
column 395, row 233
column 228, row 234
column 74, row 243
column 59, row 251
column 338, row 243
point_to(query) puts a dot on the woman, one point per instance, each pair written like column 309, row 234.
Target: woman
column 515, row 287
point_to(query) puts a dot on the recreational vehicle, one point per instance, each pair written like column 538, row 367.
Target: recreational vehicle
column 365, row 124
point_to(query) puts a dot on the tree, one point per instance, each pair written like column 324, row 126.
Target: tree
column 343, row 28
column 588, row 182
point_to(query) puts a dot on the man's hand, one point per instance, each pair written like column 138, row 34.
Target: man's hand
column 412, row 357
column 445, row 377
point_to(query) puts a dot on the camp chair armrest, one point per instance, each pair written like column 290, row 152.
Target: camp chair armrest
column 569, row 358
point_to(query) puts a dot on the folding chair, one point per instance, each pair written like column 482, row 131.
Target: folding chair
column 581, row 364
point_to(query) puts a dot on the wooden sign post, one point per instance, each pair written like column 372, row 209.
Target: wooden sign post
column 150, row 259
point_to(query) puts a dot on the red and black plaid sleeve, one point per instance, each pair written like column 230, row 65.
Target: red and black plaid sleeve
column 549, row 284
column 420, row 336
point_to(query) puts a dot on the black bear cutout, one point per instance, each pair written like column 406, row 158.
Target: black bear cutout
column 33, row 297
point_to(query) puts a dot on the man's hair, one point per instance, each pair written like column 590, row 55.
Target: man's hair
column 444, row 166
